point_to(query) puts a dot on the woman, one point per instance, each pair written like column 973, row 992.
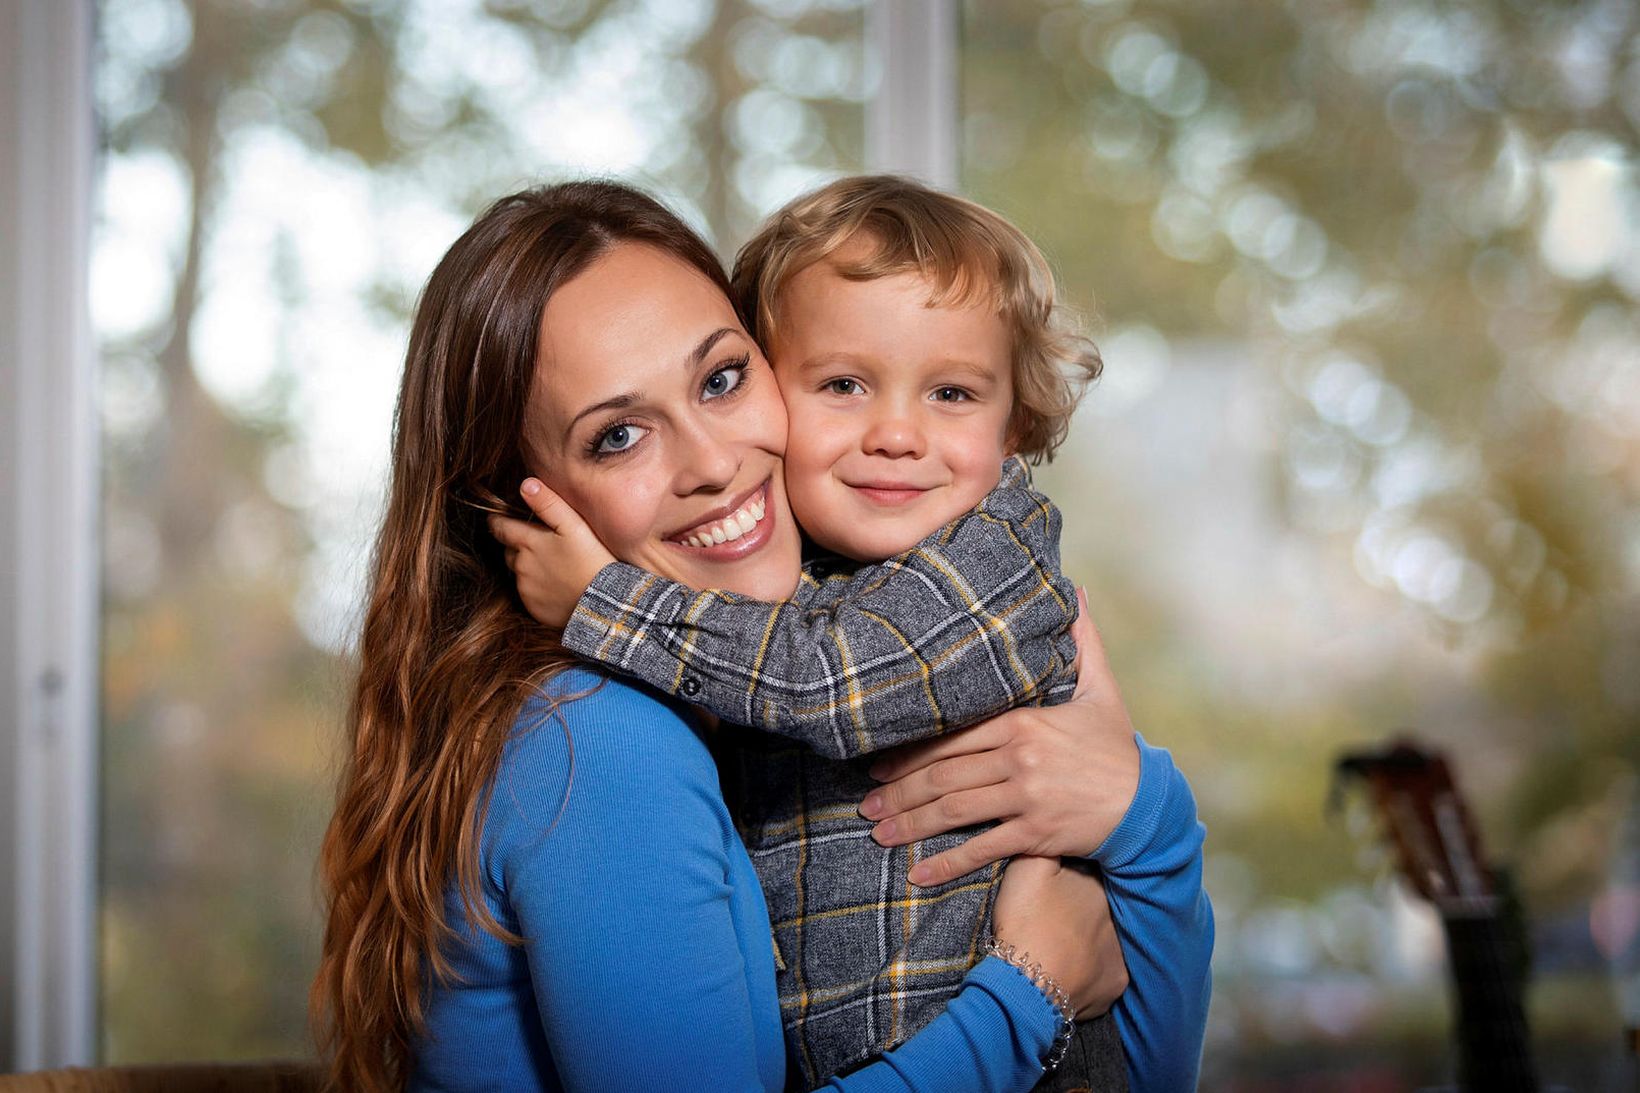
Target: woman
column 533, row 879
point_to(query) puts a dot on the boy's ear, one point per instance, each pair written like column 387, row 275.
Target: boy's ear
column 1010, row 438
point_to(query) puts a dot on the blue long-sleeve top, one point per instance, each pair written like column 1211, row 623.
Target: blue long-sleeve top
column 1152, row 869
column 647, row 961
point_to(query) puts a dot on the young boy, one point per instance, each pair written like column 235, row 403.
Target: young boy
column 916, row 345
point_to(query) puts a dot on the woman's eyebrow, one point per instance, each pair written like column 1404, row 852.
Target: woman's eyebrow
column 707, row 343
column 631, row 398
column 619, row 402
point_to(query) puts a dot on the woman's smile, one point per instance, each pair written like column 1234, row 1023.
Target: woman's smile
column 731, row 531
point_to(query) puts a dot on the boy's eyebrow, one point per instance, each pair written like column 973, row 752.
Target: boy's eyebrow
column 630, row 398
column 969, row 368
column 821, row 360
column 978, row 371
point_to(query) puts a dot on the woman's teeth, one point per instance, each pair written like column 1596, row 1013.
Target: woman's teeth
column 730, row 528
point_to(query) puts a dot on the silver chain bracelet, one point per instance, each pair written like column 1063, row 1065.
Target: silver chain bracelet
column 1050, row 987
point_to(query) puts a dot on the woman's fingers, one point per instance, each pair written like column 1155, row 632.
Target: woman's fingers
column 900, row 761
column 934, row 781
column 953, row 810
column 994, row 844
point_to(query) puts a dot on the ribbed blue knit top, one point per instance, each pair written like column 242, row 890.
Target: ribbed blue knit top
column 647, row 962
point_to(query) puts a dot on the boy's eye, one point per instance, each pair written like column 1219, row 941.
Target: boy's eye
column 844, row 386
column 950, row 394
column 618, row 438
column 724, row 380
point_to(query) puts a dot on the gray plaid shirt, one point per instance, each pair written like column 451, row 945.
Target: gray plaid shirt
column 972, row 621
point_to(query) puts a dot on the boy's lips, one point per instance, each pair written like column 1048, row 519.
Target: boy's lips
column 888, row 493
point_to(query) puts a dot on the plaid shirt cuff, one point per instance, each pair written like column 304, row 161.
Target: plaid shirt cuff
column 608, row 618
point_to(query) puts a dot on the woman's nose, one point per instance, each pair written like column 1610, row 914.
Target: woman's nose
column 706, row 462
column 895, row 434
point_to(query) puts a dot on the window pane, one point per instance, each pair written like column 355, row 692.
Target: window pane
column 1366, row 458
column 277, row 180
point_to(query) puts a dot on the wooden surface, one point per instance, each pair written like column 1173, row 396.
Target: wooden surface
column 203, row 1078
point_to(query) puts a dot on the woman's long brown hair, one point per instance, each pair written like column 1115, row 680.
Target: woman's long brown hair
column 447, row 657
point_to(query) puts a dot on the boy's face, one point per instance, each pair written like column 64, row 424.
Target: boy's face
column 899, row 411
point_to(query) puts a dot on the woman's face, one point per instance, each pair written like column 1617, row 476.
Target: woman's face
column 656, row 417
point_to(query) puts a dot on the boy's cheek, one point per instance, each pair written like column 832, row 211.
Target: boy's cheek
column 814, row 429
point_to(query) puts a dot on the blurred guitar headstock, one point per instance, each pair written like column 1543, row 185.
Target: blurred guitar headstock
column 1425, row 821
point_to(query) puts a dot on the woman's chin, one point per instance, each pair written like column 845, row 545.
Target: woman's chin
column 779, row 583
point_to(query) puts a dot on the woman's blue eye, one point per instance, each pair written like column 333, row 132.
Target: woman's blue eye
column 843, row 386
column 950, row 394
column 723, row 381
column 619, row 439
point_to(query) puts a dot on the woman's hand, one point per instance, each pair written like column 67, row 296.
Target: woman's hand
column 554, row 560
column 1060, row 778
column 1059, row 916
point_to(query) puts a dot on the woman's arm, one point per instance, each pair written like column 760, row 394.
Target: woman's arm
column 1060, row 778
column 990, row 1038
column 648, row 953
column 1152, row 867
column 1057, row 916
column 1076, row 780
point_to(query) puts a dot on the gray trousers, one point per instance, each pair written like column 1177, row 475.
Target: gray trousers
column 1095, row 1062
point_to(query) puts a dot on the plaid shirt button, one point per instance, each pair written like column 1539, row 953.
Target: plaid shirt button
column 691, row 686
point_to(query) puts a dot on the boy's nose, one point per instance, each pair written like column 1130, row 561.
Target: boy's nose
column 895, row 436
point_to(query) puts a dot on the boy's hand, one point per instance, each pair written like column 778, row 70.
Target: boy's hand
column 554, row 560
column 1060, row 915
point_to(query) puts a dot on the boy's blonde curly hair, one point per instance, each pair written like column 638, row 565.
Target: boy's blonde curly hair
column 966, row 252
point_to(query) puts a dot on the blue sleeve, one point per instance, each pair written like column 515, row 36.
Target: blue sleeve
column 623, row 902
column 614, row 857
column 1152, row 866
column 989, row 1039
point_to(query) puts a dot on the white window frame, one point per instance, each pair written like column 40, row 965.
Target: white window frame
column 49, row 551
column 911, row 122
